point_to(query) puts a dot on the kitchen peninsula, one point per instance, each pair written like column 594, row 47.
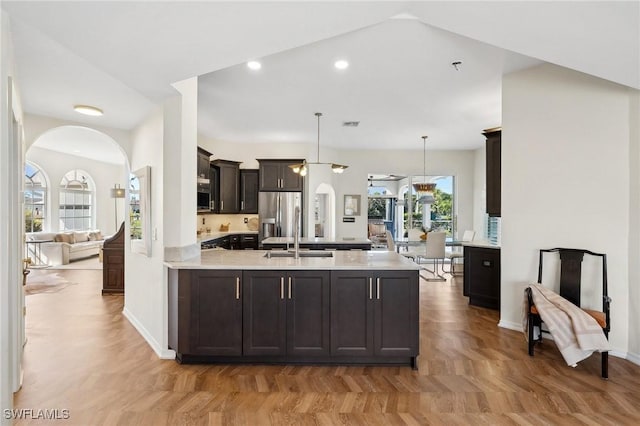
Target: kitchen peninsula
column 337, row 307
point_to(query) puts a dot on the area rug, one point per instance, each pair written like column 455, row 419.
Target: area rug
column 45, row 283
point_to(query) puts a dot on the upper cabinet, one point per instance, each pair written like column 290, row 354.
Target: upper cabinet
column 228, row 178
column 276, row 175
column 202, row 168
column 248, row 191
column 494, row 165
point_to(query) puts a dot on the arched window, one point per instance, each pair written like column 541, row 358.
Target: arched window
column 76, row 201
column 35, row 198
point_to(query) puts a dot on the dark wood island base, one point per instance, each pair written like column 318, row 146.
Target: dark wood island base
column 294, row 316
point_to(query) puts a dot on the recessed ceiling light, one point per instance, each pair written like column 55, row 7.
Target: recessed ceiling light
column 341, row 64
column 88, row 110
column 254, row 65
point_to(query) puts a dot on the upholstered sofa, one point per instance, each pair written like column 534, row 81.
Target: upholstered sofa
column 64, row 247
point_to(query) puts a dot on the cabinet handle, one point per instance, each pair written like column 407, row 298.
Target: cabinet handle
column 378, row 288
column 237, row 288
column 370, row 288
column 241, row 205
column 289, row 288
column 221, row 205
column 281, row 287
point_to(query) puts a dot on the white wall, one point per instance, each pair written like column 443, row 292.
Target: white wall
column 480, row 193
column 104, row 175
column 634, row 228
column 11, row 224
column 145, row 276
column 565, row 182
column 37, row 125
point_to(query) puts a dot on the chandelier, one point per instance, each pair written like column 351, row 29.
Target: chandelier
column 302, row 167
column 426, row 188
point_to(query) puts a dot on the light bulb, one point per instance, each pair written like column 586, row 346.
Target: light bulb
column 303, row 171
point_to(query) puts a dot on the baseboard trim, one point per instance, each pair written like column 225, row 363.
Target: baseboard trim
column 157, row 348
column 634, row 358
column 510, row 325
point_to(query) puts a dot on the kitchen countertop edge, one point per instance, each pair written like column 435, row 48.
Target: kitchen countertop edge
column 256, row 260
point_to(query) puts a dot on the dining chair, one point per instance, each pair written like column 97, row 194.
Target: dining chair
column 435, row 252
column 570, row 288
column 467, row 236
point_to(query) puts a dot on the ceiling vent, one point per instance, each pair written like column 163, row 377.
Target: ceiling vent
column 350, row 123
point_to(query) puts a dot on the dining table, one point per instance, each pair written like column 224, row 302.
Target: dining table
column 405, row 243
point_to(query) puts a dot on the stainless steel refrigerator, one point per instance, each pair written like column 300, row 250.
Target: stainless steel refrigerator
column 276, row 211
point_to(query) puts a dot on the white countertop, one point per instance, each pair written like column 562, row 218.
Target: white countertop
column 255, row 259
column 214, row 235
column 315, row 240
column 481, row 243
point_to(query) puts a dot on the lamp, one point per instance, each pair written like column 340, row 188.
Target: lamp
column 302, row 168
column 426, row 188
column 117, row 192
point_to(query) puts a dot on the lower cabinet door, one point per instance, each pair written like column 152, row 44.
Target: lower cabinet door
column 351, row 313
column 215, row 315
column 264, row 313
column 396, row 313
column 308, row 325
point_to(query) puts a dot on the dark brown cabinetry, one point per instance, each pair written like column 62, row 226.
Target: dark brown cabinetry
column 286, row 313
column 203, row 169
column 205, row 312
column 214, row 179
column 493, row 170
column 248, row 191
column 113, row 263
column 249, row 241
column 276, row 175
column 228, row 179
column 374, row 313
column 482, row 276
column 304, row 316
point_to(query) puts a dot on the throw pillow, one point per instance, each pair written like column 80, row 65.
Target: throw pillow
column 81, row 237
column 64, row 238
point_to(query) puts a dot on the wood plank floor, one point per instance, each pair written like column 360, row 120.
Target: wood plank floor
column 83, row 355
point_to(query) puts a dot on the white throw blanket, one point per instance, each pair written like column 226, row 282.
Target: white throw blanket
column 575, row 332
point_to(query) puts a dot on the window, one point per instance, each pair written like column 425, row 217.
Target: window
column 76, row 201
column 440, row 208
column 35, row 198
column 494, row 229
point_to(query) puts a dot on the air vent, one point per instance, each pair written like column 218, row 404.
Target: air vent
column 350, row 123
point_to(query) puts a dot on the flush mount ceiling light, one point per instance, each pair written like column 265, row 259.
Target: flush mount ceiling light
column 302, row 168
column 341, row 64
column 88, row 110
column 254, row 65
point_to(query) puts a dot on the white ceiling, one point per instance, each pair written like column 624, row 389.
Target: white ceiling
column 123, row 57
column 400, row 85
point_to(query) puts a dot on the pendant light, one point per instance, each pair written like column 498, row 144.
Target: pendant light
column 425, row 187
column 302, row 167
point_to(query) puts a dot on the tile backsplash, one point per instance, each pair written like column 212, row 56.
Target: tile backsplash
column 213, row 222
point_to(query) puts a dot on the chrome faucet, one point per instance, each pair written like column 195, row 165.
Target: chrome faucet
column 296, row 234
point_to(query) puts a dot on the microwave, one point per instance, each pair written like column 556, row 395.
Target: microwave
column 204, row 201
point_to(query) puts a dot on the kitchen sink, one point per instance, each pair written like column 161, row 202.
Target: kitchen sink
column 316, row 253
